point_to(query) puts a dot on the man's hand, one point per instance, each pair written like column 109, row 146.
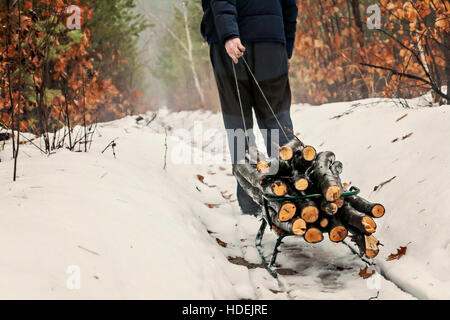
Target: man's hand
column 235, row 49
column 289, row 64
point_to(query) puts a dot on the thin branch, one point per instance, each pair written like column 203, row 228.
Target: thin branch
column 410, row 76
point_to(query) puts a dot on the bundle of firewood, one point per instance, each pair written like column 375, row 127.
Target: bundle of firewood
column 300, row 171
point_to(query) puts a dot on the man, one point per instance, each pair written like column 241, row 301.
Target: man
column 263, row 33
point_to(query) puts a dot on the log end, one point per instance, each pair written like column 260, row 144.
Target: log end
column 301, row 184
column 310, row 214
column 286, row 153
column 378, row 210
column 263, row 167
column 309, row 153
column 333, row 193
column 279, row 188
column 330, row 208
column 338, row 233
column 313, row 235
column 340, row 202
column 369, row 224
column 371, row 246
column 287, row 212
column 299, row 227
column 324, row 223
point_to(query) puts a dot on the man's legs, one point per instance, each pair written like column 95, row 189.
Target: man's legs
column 268, row 61
column 232, row 114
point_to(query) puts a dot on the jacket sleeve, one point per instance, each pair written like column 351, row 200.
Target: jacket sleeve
column 290, row 14
column 225, row 19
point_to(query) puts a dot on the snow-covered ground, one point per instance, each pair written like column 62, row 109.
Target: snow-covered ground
column 133, row 230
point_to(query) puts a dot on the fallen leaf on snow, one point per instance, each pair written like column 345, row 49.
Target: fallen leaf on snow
column 221, row 243
column 201, row 178
column 225, row 196
column 396, row 256
column 365, row 274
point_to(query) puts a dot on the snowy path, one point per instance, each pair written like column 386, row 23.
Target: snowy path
column 321, row 271
column 136, row 231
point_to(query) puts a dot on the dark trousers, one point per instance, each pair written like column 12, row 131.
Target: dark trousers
column 268, row 62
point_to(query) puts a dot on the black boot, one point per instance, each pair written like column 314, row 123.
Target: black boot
column 248, row 206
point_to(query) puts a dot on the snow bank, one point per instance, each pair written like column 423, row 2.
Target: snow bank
column 129, row 228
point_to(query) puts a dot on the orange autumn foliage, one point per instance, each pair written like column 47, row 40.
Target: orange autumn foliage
column 47, row 74
column 337, row 57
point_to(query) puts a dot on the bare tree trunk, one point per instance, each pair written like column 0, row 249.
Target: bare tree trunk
column 358, row 21
column 84, row 112
column 191, row 57
column 16, row 155
column 447, row 63
column 11, row 100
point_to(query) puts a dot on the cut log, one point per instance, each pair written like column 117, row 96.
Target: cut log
column 376, row 210
column 371, row 246
column 285, row 210
column 263, row 166
column 330, row 208
column 367, row 244
column 295, row 226
column 265, row 183
column 336, row 230
column 340, row 202
column 277, row 188
column 313, row 235
column 327, row 182
column 358, row 220
column 300, row 181
column 303, row 160
column 253, row 155
column 249, row 172
column 337, row 168
column 298, row 226
column 296, row 148
column 280, row 168
column 257, row 158
column 288, row 150
column 324, row 223
column 307, row 210
column 309, row 153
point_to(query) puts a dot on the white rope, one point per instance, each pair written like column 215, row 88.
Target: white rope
column 240, row 104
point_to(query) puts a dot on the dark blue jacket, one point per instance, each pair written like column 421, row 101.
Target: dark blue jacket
column 250, row 20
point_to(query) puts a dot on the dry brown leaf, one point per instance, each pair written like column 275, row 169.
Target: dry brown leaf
column 225, row 196
column 222, row 169
column 365, row 274
column 221, row 243
column 396, row 256
column 212, row 206
column 201, row 178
